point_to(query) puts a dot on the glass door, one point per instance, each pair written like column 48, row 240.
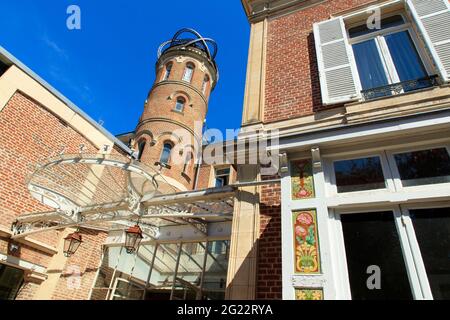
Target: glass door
column 375, row 262
column 409, row 248
column 431, row 240
column 10, row 281
column 127, row 290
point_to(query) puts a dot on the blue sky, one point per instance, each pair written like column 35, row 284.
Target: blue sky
column 107, row 67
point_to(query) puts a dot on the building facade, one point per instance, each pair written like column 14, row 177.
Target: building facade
column 356, row 94
column 358, row 91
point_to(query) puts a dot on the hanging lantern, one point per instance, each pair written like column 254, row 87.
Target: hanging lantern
column 133, row 237
column 71, row 243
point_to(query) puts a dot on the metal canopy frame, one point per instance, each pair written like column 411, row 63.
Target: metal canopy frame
column 71, row 183
column 193, row 208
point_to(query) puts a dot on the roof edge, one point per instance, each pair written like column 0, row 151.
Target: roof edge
column 13, row 60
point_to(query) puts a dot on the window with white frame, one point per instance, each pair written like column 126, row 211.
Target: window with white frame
column 188, row 72
column 423, row 167
column 222, row 177
column 432, row 229
column 388, row 170
column 359, row 174
column 408, row 242
column 165, row 154
column 371, row 240
column 410, row 51
column 387, row 56
column 167, row 71
column 405, row 245
column 179, row 105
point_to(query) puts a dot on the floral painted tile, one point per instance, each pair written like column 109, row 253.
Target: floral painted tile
column 309, row 294
column 306, row 242
column 302, row 179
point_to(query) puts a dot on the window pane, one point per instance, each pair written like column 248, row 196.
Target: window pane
column 371, row 239
column 406, row 58
column 222, row 172
column 359, row 174
column 221, row 182
column 370, row 68
column 141, row 149
column 168, row 70
column 180, row 105
column 432, row 227
column 165, row 156
column 385, row 23
column 188, row 73
column 189, row 274
column 423, row 167
column 215, row 276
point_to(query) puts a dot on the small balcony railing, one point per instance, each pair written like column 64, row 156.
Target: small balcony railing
column 400, row 87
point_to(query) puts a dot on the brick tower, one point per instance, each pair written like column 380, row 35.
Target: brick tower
column 176, row 107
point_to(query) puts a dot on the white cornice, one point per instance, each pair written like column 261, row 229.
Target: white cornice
column 258, row 10
column 35, row 244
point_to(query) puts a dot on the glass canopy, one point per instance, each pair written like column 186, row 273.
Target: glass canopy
column 171, row 271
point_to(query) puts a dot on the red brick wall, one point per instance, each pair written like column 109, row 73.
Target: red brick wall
column 21, row 120
column 27, row 291
column 204, row 176
column 269, row 245
column 84, row 264
column 292, row 79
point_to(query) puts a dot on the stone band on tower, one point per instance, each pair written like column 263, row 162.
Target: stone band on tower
column 175, row 110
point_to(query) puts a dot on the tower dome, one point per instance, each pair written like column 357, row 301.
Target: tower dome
column 189, row 40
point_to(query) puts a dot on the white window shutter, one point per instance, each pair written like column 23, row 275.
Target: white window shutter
column 337, row 69
column 432, row 18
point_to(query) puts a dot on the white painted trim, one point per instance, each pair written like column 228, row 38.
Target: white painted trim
column 416, row 256
column 351, row 133
column 332, row 188
column 384, row 52
column 172, row 182
column 30, row 242
column 408, row 258
column 396, row 174
column 394, row 198
column 21, row 264
column 287, row 244
column 326, row 99
column 364, row 11
column 431, row 46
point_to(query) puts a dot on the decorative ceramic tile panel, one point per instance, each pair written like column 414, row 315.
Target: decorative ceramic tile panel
column 309, row 294
column 306, row 242
column 302, row 179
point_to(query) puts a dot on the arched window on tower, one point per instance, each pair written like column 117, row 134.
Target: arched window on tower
column 205, row 84
column 179, row 106
column 188, row 72
column 165, row 154
column 141, row 147
column 167, row 71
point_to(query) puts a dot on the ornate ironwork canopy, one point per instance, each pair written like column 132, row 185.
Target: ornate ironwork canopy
column 106, row 192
